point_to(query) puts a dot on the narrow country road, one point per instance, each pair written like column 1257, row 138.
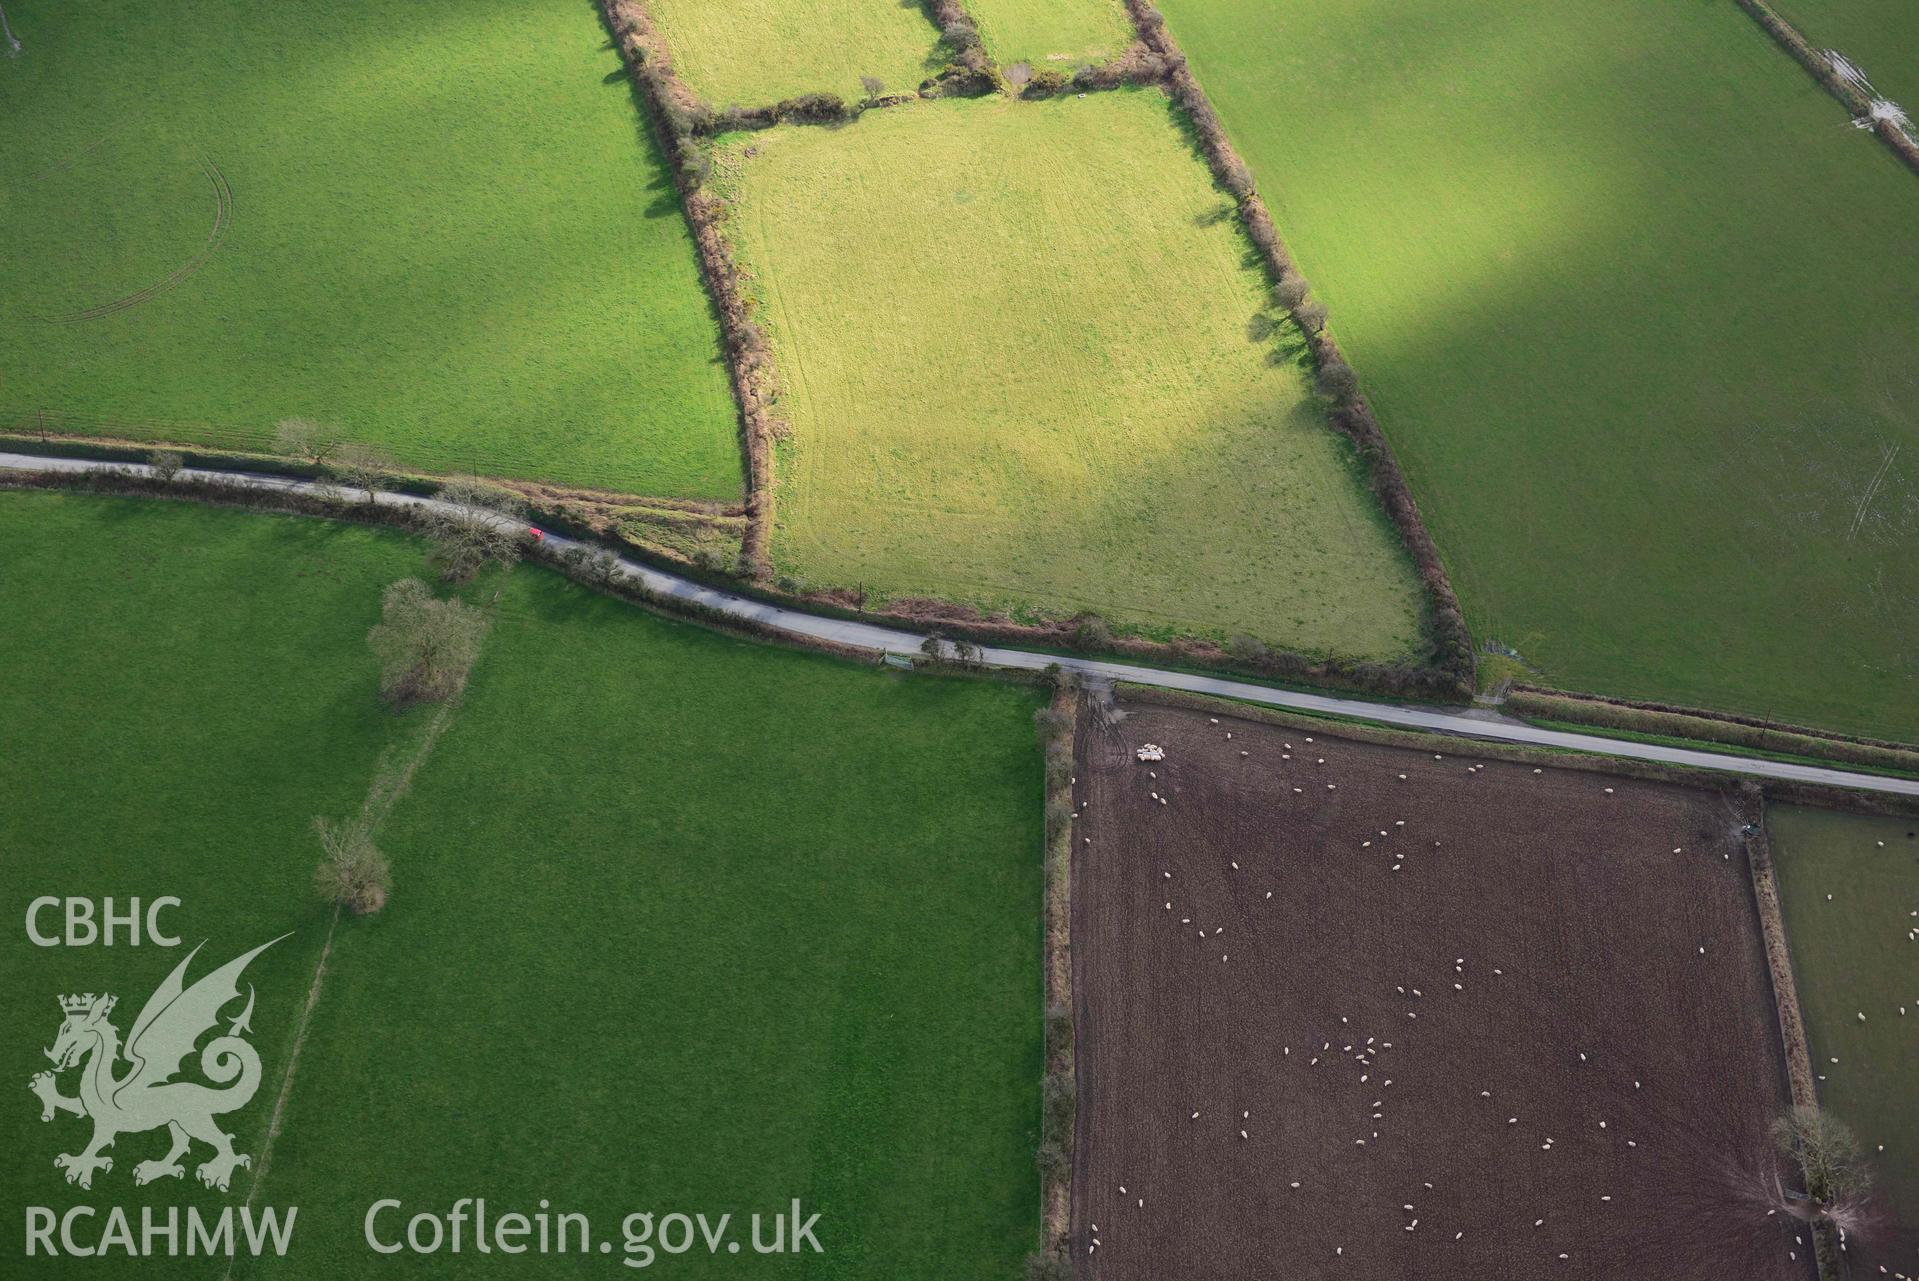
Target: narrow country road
column 890, row 640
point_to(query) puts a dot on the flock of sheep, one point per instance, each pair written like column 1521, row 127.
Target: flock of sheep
column 1364, row 1055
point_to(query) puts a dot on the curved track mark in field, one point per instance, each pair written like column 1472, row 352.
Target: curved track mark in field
column 222, row 216
column 1872, row 492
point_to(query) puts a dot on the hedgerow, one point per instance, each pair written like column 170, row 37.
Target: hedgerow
column 1336, row 380
column 682, row 118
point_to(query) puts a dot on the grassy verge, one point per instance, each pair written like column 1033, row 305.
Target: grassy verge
column 1711, row 745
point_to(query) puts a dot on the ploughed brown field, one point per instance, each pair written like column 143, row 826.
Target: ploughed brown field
column 1451, row 1025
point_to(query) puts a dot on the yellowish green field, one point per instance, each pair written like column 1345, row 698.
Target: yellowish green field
column 1023, row 366
column 754, row 52
column 1062, row 34
column 1852, row 955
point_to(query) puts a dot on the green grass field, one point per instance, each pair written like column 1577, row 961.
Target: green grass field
column 1062, row 34
column 155, row 741
column 679, row 922
column 733, row 925
column 756, row 52
column 1879, row 36
column 1852, row 956
column 443, row 228
column 1017, row 346
column 1637, row 310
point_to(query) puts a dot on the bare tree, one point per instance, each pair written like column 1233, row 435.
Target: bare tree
column 425, row 646
column 1090, row 631
column 305, row 439
column 593, row 565
column 1337, row 381
column 874, row 87
column 474, row 524
column 1829, row 1157
column 360, row 466
column 1250, row 650
column 1291, row 290
column 166, row 463
column 352, row 872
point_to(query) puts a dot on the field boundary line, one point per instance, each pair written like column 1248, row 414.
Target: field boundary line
column 684, row 120
column 1385, row 736
column 1561, row 751
column 972, row 72
column 673, row 111
column 1801, row 1082
column 242, row 448
column 1820, row 68
column 1352, row 414
column 1062, row 1043
column 1704, row 725
column 293, row 1062
column 383, row 793
column 252, row 448
column 660, row 590
column 1785, row 991
column 1136, row 64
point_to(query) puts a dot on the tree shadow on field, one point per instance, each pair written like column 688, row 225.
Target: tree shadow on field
column 941, row 54
column 666, row 201
column 666, row 204
column 1222, row 212
column 647, row 136
column 1289, row 345
column 1292, row 349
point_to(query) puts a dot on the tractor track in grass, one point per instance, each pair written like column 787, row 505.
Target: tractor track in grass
column 672, row 590
column 222, row 219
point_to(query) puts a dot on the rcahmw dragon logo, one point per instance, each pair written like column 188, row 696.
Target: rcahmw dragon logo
column 145, row 1097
